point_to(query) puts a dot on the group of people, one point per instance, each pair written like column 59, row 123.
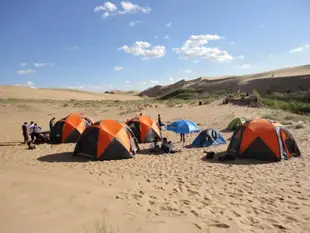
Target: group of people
column 166, row 146
column 33, row 130
column 160, row 124
column 33, row 133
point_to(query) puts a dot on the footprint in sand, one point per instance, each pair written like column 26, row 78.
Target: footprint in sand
column 186, row 202
column 136, row 196
column 302, row 198
column 220, row 225
column 278, row 226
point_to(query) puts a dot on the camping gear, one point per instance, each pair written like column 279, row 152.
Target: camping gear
column 210, row 155
column 208, row 137
column 144, row 128
column 106, row 140
column 69, row 129
column 235, row 123
column 263, row 140
column 183, row 127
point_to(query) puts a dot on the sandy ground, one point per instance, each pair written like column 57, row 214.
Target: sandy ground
column 45, row 190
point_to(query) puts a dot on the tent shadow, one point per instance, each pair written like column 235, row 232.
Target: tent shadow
column 65, row 157
column 238, row 161
column 146, row 152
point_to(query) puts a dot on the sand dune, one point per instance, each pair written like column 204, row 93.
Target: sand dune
column 60, row 94
column 277, row 80
column 45, row 190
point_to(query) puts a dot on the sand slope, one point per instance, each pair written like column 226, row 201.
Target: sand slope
column 276, row 80
column 45, row 190
column 61, row 94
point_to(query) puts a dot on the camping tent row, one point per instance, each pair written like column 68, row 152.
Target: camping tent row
column 109, row 139
column 106, row 139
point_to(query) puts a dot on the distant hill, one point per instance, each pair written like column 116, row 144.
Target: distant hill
column 281, row 80
column 18, row 92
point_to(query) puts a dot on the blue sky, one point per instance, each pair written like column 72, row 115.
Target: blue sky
column 98, row 45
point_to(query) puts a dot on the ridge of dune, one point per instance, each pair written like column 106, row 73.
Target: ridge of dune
column 18, row 92
column 291, row 78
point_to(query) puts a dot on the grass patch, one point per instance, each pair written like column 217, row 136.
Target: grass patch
column 292, row 106
column 103, row 227
column 186, row 95
column 297, row 102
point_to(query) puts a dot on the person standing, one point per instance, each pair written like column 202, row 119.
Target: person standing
column 36, row 131
column 182, row 137
column 25, row 132
column 52, row 123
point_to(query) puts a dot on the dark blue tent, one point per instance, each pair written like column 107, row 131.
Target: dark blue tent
column 208, row 137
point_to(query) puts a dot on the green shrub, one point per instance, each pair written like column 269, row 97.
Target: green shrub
column 288, row 105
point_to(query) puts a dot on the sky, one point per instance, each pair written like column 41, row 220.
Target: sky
column 97, row 45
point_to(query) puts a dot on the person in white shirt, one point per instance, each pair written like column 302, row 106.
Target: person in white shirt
column 36, row 131
column 31, row 130
column 154, row 147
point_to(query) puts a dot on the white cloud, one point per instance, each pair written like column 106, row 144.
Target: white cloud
column 73, row 48
column 171, row 79
column 26, row 72
column 133, row 23
column 156, row 37
column 39, row 64
column 187, row 71
column 145, row 49
column 182, row 58
column 89, row 87
column 300, row 49
column 153, row 82
column 43, row 64
column 118, row 68
column 106, row 7
column 166, row 37
column 132, row 8
column 196, row 61
column 23, row 64
column 144, row 83
column 168, row 25
column 245, row 66
column 193, row 47
column 109, row 9
column 270, row 56
column 240, row 57
column 128, row 82
column 30, row 84
column 27, row 84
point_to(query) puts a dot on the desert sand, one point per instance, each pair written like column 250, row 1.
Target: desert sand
column 45, row 190
column 281, row 80
column 18, row 92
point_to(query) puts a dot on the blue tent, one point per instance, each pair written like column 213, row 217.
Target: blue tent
column 183, row 126
column 208, row 137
